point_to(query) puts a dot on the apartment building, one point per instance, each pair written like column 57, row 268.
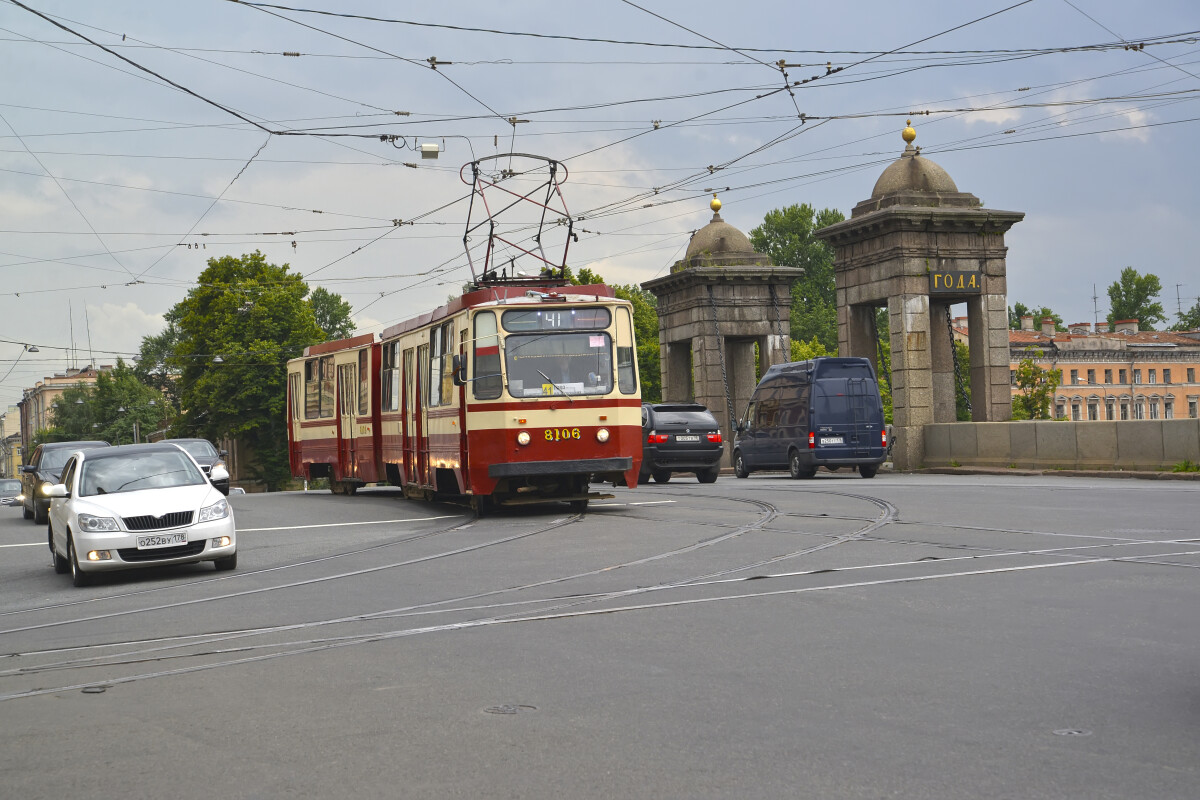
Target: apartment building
column 37, row 404
column 1114, row 375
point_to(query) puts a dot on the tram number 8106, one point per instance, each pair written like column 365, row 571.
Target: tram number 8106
column 559, row 434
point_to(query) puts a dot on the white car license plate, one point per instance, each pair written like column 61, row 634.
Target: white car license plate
column 832, row 440
column 161, row 540
column 684, row 437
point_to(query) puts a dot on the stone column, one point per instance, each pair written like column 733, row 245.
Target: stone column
column 991, row 397
column 860, row 333
column 945, row 387
column 912, row 385
column 677, row 377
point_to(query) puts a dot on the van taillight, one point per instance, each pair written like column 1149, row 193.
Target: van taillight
column 812, row 441
column 715, row 438
column 883, row 437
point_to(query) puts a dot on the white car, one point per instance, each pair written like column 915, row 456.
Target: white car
column 140, row 505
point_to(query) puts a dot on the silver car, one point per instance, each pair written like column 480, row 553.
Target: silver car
column 140, row 505
column 10, row 491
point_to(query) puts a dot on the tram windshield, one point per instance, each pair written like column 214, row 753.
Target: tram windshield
column 576, row 363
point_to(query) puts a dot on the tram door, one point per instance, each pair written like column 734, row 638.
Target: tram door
column 411, row 416
column 347, row 389
column 295, row 453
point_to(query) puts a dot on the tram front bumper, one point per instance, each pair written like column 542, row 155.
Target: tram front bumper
column 583, row 466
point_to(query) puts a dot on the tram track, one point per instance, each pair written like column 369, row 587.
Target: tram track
column 568, row 606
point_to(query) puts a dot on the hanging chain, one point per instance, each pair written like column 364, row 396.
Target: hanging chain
column 958, row 378
column 784, row 349
column 721, row 353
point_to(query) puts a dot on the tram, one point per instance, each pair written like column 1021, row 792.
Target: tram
column 522, row 390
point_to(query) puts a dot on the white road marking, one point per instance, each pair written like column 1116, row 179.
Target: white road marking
column 345, row 524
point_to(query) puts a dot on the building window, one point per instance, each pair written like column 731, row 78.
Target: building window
column 1153, row 409
column 1091, row 376
column 1074, row 377
column 1060, row 410
column 1166, row 376
column 1124, row 410
column 1154, row 376
column 1192, row 408
column 1139, row 410
column 1121, row 374
column 1012, row 377
column 1093, row 411
column 1108, row 376
column 1075, row 411
column 1109, row 411
column 1137, row 376
column 1191, row 374
column 1168, row 409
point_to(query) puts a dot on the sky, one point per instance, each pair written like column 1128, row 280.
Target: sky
column 187, row 131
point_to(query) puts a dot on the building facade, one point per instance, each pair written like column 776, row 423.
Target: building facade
column 37, row 404
column 1122, row 374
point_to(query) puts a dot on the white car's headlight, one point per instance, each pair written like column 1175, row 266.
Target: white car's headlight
column 218, row 510
column 90, row 524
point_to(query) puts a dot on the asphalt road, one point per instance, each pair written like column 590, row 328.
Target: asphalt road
column 907, row 636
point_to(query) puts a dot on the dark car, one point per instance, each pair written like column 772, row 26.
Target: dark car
column 808, row 414
column 10, row 491
column 43, row 471
column 680, row 437
column 207, row 456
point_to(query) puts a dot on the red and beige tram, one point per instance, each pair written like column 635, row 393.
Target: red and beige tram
column 517, row 391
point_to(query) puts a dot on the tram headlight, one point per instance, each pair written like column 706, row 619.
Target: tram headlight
column 602, row 435
column 523, row 438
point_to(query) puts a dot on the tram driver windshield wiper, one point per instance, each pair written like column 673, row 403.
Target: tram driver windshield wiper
column 555, row 385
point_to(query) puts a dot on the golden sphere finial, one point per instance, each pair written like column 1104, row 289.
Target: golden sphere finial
column 715, row 204
column 909, row 133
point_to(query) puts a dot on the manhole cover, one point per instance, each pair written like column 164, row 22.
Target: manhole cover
column 94, row 689
column 1072, row 732
column 509, row 709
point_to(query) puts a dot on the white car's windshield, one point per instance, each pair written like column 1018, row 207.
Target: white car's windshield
column 134, row 472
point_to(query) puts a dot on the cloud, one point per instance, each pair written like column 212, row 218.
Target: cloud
column 117, row 327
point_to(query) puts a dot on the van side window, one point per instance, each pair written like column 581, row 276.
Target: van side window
column 751, row 409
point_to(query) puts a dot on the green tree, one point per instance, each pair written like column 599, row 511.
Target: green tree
column 237, row 329
column 153, row 367
column 118, row 408
column 962, row 394
column 787, row 236
column 645, row 328
column 332, row 313
column 1132, row 296
column 1019, row 309
column 1189, row 320
column 1035, row 390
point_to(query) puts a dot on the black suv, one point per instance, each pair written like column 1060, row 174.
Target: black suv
column 207, row 456
column 680, row 437
column 43, row 471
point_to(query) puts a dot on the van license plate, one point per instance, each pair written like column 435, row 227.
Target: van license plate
column 833, row 440
column 162, row 540
column 683, row 437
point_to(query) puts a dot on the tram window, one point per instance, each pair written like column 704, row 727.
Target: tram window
column 441, row 378
column 556, row 319
column 626, row 369
column 318, row 388
column 486, row 378
column 390, row 385
column 294, row 393
column 570, row 362
column 364, row 382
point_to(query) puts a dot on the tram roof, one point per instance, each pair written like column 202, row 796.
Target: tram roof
column 496, row 294
column 339, row 344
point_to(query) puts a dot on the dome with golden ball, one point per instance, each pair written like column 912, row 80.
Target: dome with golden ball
column 720, row 244
column 912, row 172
